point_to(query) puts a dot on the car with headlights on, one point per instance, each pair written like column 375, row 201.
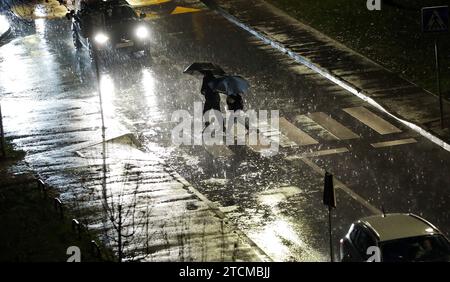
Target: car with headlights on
column 397, row 237
column 106, row 27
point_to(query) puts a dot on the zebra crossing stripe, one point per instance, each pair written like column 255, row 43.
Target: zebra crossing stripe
column 314, row 129
column 271, row 134
column 372, row 120
column 318, row 153
column 331, row 125
column 295, row 134
column 394, row 143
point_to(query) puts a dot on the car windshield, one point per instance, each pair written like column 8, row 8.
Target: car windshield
column 119, row 13
column 422, row 248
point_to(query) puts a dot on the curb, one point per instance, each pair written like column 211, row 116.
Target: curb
column 360, row 93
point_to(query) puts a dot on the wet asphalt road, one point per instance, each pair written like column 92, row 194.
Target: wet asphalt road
column 49, row 100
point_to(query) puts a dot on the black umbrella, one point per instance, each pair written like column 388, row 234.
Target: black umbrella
column 230, row 85
column 202, row 68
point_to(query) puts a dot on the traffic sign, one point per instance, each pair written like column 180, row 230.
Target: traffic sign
column 435, row 19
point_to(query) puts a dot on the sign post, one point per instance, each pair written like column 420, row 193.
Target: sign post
column 436, row 20
column 2, row 135
column 329, row 199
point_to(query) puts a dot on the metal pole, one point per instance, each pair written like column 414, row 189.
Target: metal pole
column 97, row 72
column 119, row 240
column 2, row 134
column 104, row 168
column 331, row 238
column 438, row 82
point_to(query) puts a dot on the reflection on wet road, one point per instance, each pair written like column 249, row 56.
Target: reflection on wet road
column 50, row 102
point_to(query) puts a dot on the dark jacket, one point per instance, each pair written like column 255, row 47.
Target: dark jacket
column 235, row 103
column 212, row 98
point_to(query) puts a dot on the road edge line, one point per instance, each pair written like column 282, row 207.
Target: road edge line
column 343, row 187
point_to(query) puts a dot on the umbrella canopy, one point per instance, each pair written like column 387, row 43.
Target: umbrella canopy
column 202, row 68
column 230, row 85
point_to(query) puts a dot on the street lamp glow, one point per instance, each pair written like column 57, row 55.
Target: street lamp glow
column 142, row 32
column 101, row 38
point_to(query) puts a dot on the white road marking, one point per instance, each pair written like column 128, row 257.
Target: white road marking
column 394, row 143
column 334, row 127
column 372, row 120
column 314, row 128
column 318, row 153
column 271, row 135
column 295, row 134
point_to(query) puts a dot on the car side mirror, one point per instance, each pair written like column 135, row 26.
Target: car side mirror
column 142, row 15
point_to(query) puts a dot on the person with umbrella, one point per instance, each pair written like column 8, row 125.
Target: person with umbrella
column 231, row 85
column 209, row 72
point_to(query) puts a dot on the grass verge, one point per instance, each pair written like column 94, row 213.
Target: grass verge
column 31, row 229
column 392, row 37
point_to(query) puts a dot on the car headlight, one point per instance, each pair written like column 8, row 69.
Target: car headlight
column 142, row 32
column 101, row 38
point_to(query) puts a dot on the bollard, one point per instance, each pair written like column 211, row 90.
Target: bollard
column 95, row 249
column 76, row 227
column 58, row 206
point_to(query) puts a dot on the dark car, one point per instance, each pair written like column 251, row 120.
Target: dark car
column 398, row 237
column 109, row 26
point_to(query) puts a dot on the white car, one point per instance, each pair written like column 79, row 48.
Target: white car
column 397, row 237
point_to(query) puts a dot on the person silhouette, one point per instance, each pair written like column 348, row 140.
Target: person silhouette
column 212, row 98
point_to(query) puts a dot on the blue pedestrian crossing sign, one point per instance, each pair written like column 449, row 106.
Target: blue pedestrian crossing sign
column 435, row 19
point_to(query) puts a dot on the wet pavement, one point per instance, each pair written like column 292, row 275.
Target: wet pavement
column 201, row 203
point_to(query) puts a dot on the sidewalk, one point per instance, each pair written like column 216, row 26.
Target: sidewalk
column 361, row 76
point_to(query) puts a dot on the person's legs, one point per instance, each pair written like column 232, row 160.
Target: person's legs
column 212, row 102
column 235, row 103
